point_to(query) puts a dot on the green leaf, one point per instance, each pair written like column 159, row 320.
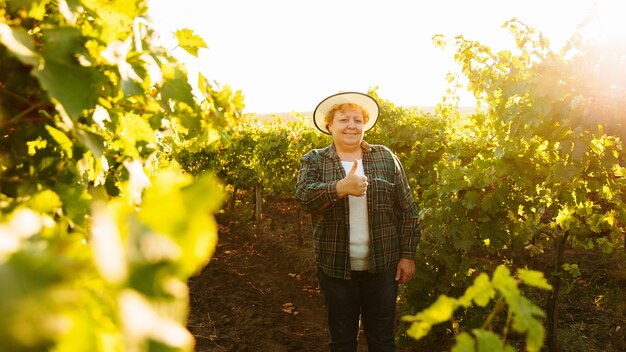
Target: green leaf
column 524, row 321
column 439, row 41
column 440, row 311
column 567, row 172
column 20, row 44
column 35, row 145
column 189, row 41
column 94, row 142
column 571, row 269
column 177, row 89
column 38, row 10
column 76, row 201
column 419, row 329
column 176, row 207
column 471, row 199
column 490, row 342
column 117, row 15
column 564, row 218
column 46, row 201
column 464, row 241
column 505, row 283
column 464, row 343
column 136, row 129
column 82, row 336
column 534, row 278
column 33, row 9
column 61, row 138
column 196, row 194
column 74, row 86
column 481, row 292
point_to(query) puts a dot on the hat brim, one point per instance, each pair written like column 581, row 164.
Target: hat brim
column 365, row 101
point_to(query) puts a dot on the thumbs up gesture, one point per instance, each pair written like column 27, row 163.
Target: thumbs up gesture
column 352, row 184
column 355, row 166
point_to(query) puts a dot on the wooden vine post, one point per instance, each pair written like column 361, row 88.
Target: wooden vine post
column 258, row 200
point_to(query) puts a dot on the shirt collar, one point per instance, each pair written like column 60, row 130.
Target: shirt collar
column 332, row 151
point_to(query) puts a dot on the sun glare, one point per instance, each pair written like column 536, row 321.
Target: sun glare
column 604, row 33
column 606, row 22
column 280, row 60
column 604, row 39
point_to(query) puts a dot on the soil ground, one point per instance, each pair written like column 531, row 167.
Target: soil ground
column 260, row 292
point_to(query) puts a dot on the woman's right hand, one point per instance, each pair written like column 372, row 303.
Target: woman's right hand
column 352, row 184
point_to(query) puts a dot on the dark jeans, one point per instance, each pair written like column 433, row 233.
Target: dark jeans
column 370, row 297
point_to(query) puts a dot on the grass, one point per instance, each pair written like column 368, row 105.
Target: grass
column 593, row 309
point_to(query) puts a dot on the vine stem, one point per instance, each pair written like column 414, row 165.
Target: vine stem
column 22, row 114
column 505, row 331
column 501, row 304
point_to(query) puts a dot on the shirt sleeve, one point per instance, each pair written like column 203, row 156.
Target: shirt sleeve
column 406, row 213
column 312, row 193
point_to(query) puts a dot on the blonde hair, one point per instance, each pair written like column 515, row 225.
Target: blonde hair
column 343, row 108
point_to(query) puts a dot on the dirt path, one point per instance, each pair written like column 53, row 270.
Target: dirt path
column 259, row 292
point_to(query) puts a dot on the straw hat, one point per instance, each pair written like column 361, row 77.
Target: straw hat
column 365, row 101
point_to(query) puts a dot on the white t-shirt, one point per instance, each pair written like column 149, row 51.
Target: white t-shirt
column 359, row 228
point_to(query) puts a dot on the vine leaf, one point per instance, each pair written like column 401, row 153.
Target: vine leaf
column 176, row 88
column 117, row 14
column 66, row 80
column 64, row 142
column 19, row 43
column 534, row 278
column 189, row 41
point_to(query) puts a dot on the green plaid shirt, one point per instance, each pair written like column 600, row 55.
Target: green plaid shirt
column 392, row 213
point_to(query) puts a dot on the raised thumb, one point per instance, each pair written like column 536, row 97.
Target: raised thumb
column 354, row 166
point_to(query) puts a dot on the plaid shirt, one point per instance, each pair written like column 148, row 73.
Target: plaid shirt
column 392, row 213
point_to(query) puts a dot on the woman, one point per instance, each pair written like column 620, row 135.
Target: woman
column 365, row 229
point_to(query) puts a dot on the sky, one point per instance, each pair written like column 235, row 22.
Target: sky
column 287, row 55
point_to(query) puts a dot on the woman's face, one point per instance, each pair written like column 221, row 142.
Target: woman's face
column 347, row 127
